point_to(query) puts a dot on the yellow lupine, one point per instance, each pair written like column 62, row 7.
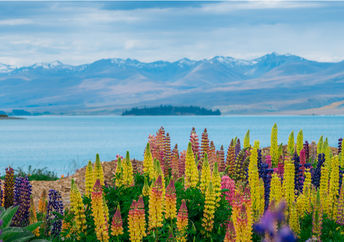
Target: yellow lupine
column 324, row 188
column 171, row 201
column 148, row 162
column 128, row 176
column 216, row 181
column 119, row 173
column 247, row 139
column 294, row 222
column 307, row 191
column 99, row 217
column 42, row 204
column 89, row 179
column 332, row 199
column 276, row 189
column 209, row 209
column 289, row 182
column 291, row 143
column 156, row 205
column 299, row 142
column 205, row 174
column 182, row 222
column 77, row 207
column 274, row 146
column 191, row 171
column 98, row 171
column 253, row 181
column 146, row 188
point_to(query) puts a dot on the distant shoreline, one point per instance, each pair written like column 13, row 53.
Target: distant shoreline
column 7, row 118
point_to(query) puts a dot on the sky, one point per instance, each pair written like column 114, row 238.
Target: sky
column 82, row 32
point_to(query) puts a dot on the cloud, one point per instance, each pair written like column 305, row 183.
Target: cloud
column 82, row 32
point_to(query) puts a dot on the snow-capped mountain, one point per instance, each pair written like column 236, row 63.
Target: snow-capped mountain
column 266, row 84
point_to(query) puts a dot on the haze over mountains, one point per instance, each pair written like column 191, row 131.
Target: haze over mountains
column 270, row 84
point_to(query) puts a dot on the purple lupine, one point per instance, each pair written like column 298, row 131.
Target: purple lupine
column 237, row 148
column 9, row 187
column 1, row 194
column 316, row 173
column 340, row 140
column 22, row 196
column 298, row 171
column 55, row 205
column 267, row 225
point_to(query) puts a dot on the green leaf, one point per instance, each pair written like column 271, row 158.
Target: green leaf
column 34, row 226
column 15, row 234
column 7, row 216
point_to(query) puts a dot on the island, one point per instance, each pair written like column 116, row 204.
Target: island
column 5, row 116
column 170, row 110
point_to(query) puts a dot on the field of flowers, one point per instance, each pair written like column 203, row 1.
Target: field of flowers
column 247, row 193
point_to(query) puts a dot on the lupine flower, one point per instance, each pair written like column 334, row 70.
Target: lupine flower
column 230, row 160
column 268, row 160
column 1, row 195
column 182, row 222
column 307, row 190
column 146, row 188
column 289, row 182
column 317, row 172
column 22, row 199
column 167, row 154
column 237, row 148
column 317, row 217
column 148, row 162
column 77, row 207
column 119, row 173
column 319, row 145
column 191, row 171
column 253, row 181
column 306, row 148
column 268, row 225
column 128, row 177
column 211, row 155
column 276, row 190
column 89, row 179
column 242, row 216
column 99, row 216
column 221, row 159
column 247, row 140
column 228, row 183
column 33, row 216
column 216, row 181
column 205, row 174
column 204, row 146
column 156, row 204
column 241, row 165
column 117, row 223
column 170, row 201
column 9, row 187
column 195, row 143
column 294, row 222
column 274, row 146
column 340, row 209
column 42, row 203
column 209, row 209
column 54, row 205
column 98, row 171
column 342, row 155
column 299, row 141
column 324, row 188
column 182, row 163
column 291, row 143
column 141, row 219
column 175, row 162
column 333, row 188
column 230, row 233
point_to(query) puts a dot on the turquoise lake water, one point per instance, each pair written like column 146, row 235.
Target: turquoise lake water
column 63, row 143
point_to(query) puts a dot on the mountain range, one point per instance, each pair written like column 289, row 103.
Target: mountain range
column 271, row 84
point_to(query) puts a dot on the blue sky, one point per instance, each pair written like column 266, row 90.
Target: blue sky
column 82, row 32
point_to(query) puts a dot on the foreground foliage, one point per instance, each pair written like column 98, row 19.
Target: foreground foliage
column 283, row 193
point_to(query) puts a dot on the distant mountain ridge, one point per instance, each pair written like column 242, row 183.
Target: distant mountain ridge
column 272, row 83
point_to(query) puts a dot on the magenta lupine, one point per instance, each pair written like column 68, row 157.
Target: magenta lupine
column 228, row 184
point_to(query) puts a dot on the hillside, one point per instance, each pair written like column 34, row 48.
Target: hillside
column 269, row 84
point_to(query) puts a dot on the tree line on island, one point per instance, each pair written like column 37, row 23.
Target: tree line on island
column 171, row 110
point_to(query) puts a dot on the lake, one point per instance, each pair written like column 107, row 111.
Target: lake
column 65, row 143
